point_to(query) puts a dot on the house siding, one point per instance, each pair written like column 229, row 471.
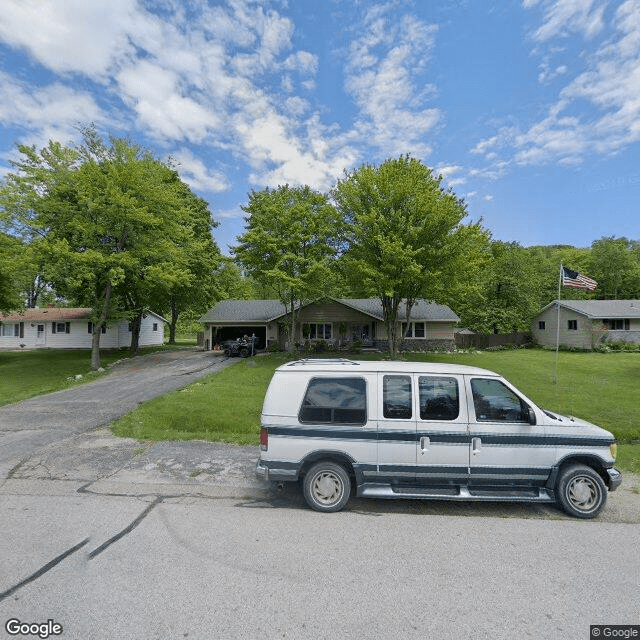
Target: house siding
column 584, row 337
column 589, row 333
column 79, row 337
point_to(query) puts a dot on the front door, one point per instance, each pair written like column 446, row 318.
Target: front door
column 41, row 336
column 442, row 442
column 506, row 449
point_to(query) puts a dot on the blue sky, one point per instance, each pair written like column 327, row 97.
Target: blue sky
column 530, row 109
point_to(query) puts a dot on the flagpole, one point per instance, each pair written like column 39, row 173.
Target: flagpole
column 555, row 374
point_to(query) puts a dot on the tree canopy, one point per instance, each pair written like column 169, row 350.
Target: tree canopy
column 116, row 228
column 291, row 236
column 404, row 235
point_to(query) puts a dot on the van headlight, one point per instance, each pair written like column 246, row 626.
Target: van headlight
column 613, row 448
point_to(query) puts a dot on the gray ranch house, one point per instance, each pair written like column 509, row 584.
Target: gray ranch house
column 586, row 323
column 61, row 328
column 338, row 322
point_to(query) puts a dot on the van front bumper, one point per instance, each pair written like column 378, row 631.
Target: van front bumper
column 615, row 479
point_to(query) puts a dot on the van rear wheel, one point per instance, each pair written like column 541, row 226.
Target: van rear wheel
column 581, row 491
column 326, row 487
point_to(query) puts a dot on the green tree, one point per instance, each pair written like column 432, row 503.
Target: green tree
column 110, row 222
column 289, row 242
column 202, row 285
column 510, row 292
column 9, row 250
column 614, row 264
column 404, row 236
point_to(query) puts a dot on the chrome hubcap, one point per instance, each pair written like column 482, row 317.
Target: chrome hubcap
column 327, row 488
column 583, row 493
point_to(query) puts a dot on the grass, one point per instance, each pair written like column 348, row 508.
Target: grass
column 225, row 407
column 25, row 374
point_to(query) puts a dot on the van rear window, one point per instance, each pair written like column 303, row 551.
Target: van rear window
column 335, row 401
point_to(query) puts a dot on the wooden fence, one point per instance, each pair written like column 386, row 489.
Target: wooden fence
column 488, row 340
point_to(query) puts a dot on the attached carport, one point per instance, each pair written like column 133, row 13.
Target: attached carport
column 220, row 334
column 233, row 319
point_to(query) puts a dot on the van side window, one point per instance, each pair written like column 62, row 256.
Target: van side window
column 396, row 393
column 335, row 401
column 438, row 398
column 494, row 402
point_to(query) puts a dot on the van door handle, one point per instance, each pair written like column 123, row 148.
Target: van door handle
column 425, row 442
column 476, row 445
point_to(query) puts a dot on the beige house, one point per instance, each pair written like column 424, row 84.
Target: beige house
column 586, row 323
column 337, row 322
column 62, row 328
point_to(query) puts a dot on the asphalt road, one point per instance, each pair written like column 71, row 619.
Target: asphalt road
column 114, row 538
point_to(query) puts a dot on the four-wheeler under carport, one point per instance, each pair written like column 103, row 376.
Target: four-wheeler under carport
column 221, row 334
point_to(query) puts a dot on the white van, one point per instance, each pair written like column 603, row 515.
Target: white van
column 424, row 430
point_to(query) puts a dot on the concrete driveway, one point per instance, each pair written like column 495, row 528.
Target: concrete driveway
column 64, row 436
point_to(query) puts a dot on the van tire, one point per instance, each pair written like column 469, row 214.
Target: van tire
column 326, row 486
column 581, row 491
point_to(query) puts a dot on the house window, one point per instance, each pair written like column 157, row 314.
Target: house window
column 90, row 328
column 618, row 324
column 542, row 325
column 155, row 326
column 60, row 327
column 572, row 325
column 414, row 330
column 319, row 331
column 10, row 330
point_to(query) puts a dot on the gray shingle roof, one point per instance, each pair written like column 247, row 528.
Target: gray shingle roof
column 605, row 309
column 259, row 311
column 245, row 311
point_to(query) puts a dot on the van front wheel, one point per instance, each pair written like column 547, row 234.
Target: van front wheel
column 327, row 487
column 581, row 491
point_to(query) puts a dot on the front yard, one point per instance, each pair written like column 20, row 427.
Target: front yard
column 601, row 388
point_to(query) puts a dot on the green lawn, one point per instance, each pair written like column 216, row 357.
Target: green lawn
column 601, row 388
column 24, row 374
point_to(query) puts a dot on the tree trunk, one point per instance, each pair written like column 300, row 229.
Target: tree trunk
column 173, row 323
column 135, row 333
column 97, row 328
column 390, row 306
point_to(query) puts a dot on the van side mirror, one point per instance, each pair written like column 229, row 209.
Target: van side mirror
column 532, row 416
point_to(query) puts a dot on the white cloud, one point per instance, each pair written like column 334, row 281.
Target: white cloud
column 69, row 35
column 596, row 111
column 197, row 175
column 382, row 75
column 47, row 113
column 567, row 16
column 157, row 98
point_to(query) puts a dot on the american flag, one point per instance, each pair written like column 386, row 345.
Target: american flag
column 576, row 280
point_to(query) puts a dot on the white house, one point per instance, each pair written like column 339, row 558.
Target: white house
column 56, row 328
column 586, row 323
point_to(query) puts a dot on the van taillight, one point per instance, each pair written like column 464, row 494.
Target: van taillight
column 264, row 439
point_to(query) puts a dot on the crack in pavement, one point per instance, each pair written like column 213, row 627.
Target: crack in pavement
column 97, row 551
column 40, row 572
column 126, row 530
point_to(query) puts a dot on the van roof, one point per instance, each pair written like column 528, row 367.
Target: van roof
column 375, row 366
